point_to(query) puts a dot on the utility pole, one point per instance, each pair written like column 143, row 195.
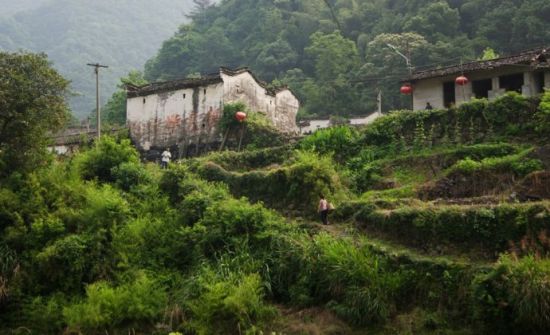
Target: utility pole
column 97, row 108
column 409, row 64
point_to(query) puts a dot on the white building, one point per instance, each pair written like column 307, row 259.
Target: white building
column 527, row 73
column 311, row 126
column 185, row 113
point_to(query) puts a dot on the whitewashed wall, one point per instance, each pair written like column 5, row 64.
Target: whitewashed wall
column 178, row 117
column 281, row 109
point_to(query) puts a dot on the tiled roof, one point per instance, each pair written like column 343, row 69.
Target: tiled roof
column 536, row 58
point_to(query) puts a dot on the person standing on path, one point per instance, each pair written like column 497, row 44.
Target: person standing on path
column 323, row 209
column 166, row 155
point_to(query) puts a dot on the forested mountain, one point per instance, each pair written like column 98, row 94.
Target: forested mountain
column 122, row 34
column 334, row 54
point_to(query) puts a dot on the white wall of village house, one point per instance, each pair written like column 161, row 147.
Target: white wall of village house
column 281, row 109
column 179, row 117
column 431, row 89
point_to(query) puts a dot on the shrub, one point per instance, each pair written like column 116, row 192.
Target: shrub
column 249, row 159
column 261, row 133
column 514, row 297
column 129, row 175
column 489, row 228
column 230, row 223
column 44, row 315
column 518, row 163
column 543, row 115
column 64, row 264
column 295, row 186
column 341, row 142
column 99, row 162
column 229, row 305
column 106, row 307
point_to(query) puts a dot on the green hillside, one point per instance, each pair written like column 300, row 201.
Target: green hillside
column 441, row 227
column 334, row 54
column 121, row 34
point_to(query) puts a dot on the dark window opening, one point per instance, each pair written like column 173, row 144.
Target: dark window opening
column 184, row 95
column 539, row 82
column 449, row 97
column 481, row 88
column 512, row 82
column 143, row 100
column 205, row 91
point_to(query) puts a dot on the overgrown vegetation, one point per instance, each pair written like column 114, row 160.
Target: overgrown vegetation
column 441, row 226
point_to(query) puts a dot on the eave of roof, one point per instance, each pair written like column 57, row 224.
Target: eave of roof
column 161, row 87
column 537, row 58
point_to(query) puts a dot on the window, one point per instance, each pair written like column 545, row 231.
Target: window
column 144, row 100
column 449, row 97
column 482, row 87
column 205, row 91
column 539, row 82
column 184, row 95
column 512, row 82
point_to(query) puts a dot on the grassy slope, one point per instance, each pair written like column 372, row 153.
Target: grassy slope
column 442, row 206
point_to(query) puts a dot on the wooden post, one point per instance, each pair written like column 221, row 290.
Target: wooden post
column 241, row 139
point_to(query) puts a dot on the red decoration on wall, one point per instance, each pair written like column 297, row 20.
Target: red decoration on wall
column 406, row 89
column 462, row 80
column 240, row 116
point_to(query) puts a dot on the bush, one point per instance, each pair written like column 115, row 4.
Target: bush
column 231, row 223
column 356, row 284
column 229, row 305
column 518, row 163
column 543, row 115
column 509, row 115
column 129, row 175
column 295, row 186
column 99, row 162
column 44, row 315
column 488, row 228
column 138, row 303
column 514, row 297
column 341, row 142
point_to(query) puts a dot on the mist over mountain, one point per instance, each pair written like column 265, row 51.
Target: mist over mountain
column 10, row 7
column 122, row 34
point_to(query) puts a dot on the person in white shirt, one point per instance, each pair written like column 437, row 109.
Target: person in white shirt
column 323, row 209
column 166, row 155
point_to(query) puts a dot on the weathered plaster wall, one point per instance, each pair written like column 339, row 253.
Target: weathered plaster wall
column 286, row 108
column 281, row 109
column 181, row 117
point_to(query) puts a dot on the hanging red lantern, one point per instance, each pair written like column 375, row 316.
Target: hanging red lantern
column 461, row 80
column 406, row 89
column 240, row 116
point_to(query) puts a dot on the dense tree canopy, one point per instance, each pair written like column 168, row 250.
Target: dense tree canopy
column 32, row 104
column 334, row 54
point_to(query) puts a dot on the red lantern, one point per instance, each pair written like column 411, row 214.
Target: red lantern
column 240, row 116
column 406, row 89
column 461, row 81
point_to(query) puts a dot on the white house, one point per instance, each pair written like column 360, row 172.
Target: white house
column 185, row 113
column 527, row 73
column 311, row 126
